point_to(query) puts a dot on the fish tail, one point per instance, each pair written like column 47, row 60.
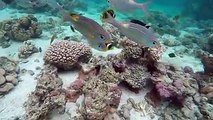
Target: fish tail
column 65, row 15
column 107, row 16
column 144, row 7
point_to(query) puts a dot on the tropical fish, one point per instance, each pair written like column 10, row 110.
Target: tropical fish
column 53, row 38
column 135, row 30
column 97, row 37
column 128, row 5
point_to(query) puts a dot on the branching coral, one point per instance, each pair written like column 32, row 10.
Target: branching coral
column 22, row 29
column 47, row 96
column 67, row 54
column 27, row 50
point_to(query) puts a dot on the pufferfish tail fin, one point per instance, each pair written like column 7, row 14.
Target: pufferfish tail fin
column 107, row 15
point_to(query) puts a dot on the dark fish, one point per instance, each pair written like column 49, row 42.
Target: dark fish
column 171, row 55
column 67, row 38
column 39, row 49
column 139, row 23
column 72, row 28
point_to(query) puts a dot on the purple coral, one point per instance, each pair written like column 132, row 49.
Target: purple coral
column 67, row 54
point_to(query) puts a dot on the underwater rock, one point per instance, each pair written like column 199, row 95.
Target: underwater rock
column 171, row 43
column 8, row 75
column 162, row 24
column 207, row 62
column 124, row 112
column 4, row 39
column 99, row 98
column 210, row 39
column 174, row 86
column 27, row 49
column 6, row 88
column 21, row 29
column 134, row 52
column 135, row 76
column 2, row 79
column 67, row 54
column 188, row 69
column 206, row 109
column 47, row 96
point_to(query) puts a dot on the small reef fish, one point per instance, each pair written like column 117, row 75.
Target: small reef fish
column 135, row 30
column 128, row 5
column 53, row 38
column 97, row 37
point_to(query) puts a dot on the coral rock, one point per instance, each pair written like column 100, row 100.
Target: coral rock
column 6, row 88
column 27, row 50
column 22, row 29
column 208, row 64
column 2, row 79
column 47, row 96
column 67, row 54
column 2, row 71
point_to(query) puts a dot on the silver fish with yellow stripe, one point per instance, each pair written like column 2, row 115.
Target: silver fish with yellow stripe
column 135, row 30
column 97, row 37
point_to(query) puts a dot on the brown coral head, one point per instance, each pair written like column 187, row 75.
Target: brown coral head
column 207, row 62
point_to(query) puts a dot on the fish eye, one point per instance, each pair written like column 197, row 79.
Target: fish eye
column 108, row 1
column 102, row 37
column 154, row 43
column 109, row 46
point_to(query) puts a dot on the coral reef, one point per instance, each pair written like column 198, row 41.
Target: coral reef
column 21, row 29
column 27, row 49
column 207, row 64
column 173, row 85
column 67, row 54
column 47, row 96
column 162, row 24
column 4, row 39
column 8, row 75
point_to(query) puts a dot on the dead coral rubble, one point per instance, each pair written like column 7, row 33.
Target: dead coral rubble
column 67, row 54
column 21, row 29
column 47, row 96
column 8, row 75
column 27, row 49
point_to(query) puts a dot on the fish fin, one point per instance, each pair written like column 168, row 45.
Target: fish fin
column 74, row 17
column 53, row 38
column 72, row 28
column 126, row 25
column 144, row 7
column 139, row 23
column 107, row 15
column 91, row 36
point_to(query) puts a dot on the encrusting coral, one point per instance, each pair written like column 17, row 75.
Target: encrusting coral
column 47, row 96
column 27, row 49
column 67, row 54
column 21, row 29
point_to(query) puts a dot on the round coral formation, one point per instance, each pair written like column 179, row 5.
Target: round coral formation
column 22, row 29
column 67, row 54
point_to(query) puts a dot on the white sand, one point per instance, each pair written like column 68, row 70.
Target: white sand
column 11, row 105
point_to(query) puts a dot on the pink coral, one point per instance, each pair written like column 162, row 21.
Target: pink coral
column 67, row 54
